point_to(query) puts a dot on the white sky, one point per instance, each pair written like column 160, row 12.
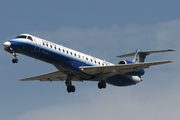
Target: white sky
column 103, row 29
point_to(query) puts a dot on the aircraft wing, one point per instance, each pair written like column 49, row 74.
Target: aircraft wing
column 122, row 68
column 54, row 76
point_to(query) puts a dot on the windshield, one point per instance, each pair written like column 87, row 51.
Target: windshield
column 22, row 36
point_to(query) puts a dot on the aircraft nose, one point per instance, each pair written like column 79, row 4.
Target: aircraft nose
column 7, row 44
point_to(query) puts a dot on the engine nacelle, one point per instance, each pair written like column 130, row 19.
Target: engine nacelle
column 125, row 62
column 133, row 73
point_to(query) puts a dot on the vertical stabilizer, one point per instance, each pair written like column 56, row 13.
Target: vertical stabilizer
column 139, row 56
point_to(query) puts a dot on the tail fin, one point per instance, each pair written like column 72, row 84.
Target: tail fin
column 139, row 56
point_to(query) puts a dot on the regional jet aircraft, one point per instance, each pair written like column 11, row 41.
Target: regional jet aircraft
column 76, row 66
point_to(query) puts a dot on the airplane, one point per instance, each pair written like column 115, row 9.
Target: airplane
column 76, row 66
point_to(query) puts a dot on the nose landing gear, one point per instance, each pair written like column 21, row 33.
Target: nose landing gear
column 15, row 60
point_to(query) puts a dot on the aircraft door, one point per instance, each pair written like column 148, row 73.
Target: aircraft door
column 38, row 45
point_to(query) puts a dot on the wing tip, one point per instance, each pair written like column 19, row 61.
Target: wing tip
column 21, row 79
column 171, row 50
column 169, row 61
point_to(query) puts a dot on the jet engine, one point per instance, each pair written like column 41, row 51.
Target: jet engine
column 125, row 62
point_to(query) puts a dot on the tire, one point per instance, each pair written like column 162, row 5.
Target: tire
column 13, row 61
column 16, row 60
column 69, row 89
column 100, row 85
column 103, row 84
column 73, row 89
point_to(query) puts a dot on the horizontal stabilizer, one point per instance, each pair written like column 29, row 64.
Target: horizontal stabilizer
column 145, row 52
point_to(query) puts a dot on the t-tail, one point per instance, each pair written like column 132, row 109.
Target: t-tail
column 139, row 56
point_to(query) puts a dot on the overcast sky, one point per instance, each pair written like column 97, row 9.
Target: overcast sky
column 103, row 29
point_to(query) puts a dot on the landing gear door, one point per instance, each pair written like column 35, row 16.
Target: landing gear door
column 38, row 45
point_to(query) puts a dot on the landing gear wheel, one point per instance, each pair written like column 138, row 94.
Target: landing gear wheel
column 17, row 60
column 14, row 60
column 73, row 89
column 102, row 84
column 70, row 89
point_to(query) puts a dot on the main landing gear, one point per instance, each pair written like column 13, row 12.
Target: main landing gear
column 70, row 87
column 15, row 60
column 102, row 83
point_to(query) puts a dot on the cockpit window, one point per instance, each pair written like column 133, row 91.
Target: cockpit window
column 25, row 37
column 22, row 36
column 30, row 38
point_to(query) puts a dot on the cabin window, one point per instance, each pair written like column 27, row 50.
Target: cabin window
column 99, row 63
column 30, row 38
column 71, row 53
column 43, row 44
column 91, row 60
column 79, row 56
column 63, row 50
column 47, row 45
column 74, row 54
column 67, row 52
column 51, row 46
column 86, row 58
column 95, row 61
column 55, row 48
column 59, row 49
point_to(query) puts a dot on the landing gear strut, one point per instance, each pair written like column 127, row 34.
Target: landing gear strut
column 70, row 87
column 15, row 60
